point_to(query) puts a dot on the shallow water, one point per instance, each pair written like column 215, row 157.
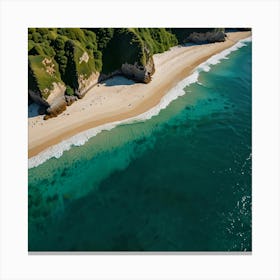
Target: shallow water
column 180, row 181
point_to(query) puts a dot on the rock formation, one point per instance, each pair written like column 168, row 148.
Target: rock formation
column 70, row 99
column 84, row 83
column 208, row 37
column 138, row 72
column 45, row 86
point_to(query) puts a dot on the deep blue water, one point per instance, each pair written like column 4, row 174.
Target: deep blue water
column 180, row 181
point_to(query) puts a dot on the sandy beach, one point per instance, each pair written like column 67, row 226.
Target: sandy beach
column 120, row 99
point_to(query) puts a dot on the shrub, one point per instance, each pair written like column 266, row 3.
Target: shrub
column 36, row 37
column 31, row 44
column 103, row 36
column 42, row 31
column 69, row 91
column 125, row 46
column 59, row 43
column 36, row 50
column 31, row 30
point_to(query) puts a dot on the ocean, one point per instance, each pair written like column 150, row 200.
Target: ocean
column 175, row 179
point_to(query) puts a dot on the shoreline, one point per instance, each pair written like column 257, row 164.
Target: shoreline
column 105, row 104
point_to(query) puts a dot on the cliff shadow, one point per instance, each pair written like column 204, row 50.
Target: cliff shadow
column 190, row 44
column 118, row 81
column 35, row 110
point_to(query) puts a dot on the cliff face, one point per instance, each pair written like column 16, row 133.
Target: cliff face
column 199, row 35
column 142, row 70
column 80, row 73
column 56, row 100
column 139, row 73
column 45, row 86
column 85, row 83
column 130, row 51
column 63, row 64
column 208, row 37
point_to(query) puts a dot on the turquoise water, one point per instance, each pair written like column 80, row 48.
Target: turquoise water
column 180, row 181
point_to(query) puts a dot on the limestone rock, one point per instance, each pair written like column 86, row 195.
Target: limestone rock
column 86, row 83
column 139, row 73
column 55, row 102
column 70, row 99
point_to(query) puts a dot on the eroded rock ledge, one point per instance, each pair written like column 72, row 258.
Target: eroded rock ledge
column 139, row 73
column 86, row 83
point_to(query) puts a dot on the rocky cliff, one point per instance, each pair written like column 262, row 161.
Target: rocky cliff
column 64, row 63
column 207, row 37
column 138, row 72
column 80, row 73
column 85, row 83
column 130, row 51
column 199, row 35
column 45, row 86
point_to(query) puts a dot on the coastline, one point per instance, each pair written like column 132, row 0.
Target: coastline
column 105, row 104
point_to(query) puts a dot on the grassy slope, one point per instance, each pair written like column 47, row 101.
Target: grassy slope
column 42, row 79
column 52, row 42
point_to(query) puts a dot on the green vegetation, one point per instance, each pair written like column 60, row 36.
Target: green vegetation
column 43, row 72
column 157, row 40
column 139, row 45
column 69, row 91
column 103, row 36
column 125, row 46
column 80, row 52
column 66, row 46
column 76, row 53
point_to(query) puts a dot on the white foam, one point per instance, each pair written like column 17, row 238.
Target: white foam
column 81, row 138
column 215, row 59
